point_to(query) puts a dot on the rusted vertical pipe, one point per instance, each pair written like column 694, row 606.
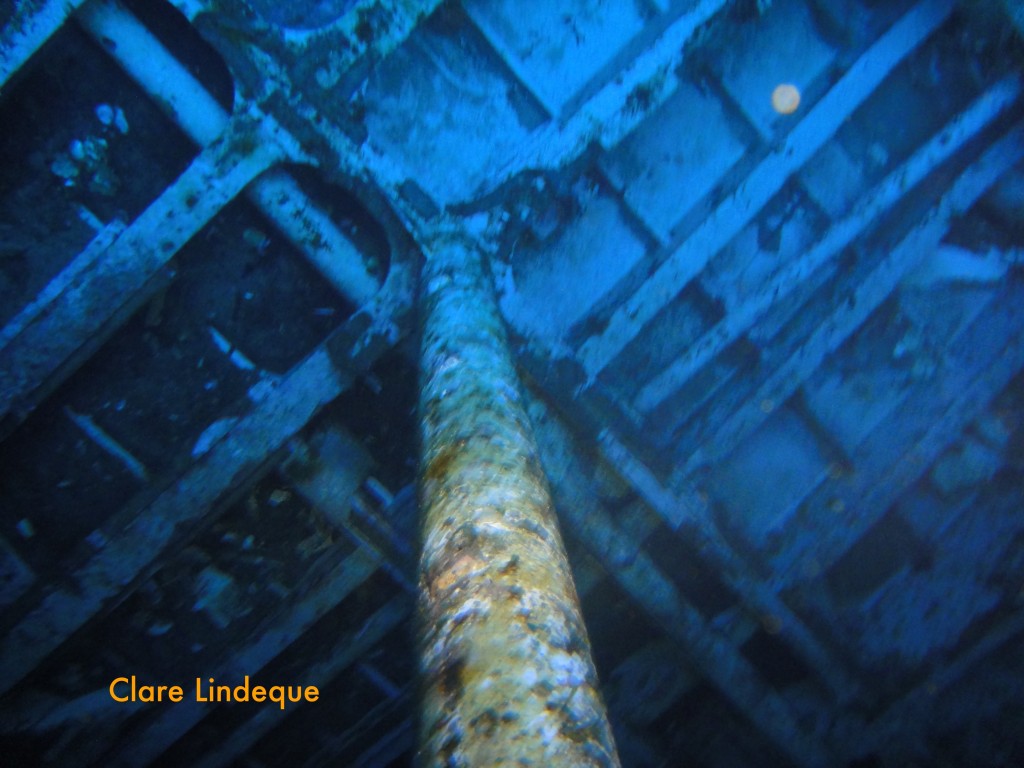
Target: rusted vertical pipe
column 507, row 673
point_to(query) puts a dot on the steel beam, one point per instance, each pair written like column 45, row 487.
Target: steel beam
column 86, row 303
column 713, row 647
column 124, row 555
column 903, row 449
column 821, row 257
column 29, row 27
column 506, row 665
column 609, row 115
column 276, row 194
column 764, row 182
column 733, row 422
column 160, row 733
column 734, row 571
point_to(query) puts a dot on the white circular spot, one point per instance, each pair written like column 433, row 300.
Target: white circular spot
column 785, row 98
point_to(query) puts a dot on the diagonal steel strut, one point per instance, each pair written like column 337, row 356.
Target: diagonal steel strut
column 508, row 675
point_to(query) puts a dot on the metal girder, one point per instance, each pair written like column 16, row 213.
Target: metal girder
column 109, row 280
column 867, row 291
column 32, row 24
column 301, row 93
column 279, row 410
column 713, row 652
column 717, row 229
column 869, row 210
column 506, row 661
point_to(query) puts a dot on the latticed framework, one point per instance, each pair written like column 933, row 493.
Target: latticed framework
column 772, row 360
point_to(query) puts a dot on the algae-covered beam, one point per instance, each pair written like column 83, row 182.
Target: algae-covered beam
column 507, row 672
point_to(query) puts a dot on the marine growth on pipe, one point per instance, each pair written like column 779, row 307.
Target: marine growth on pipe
column 505, row 659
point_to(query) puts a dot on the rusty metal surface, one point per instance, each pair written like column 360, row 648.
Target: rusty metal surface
column 508, row 674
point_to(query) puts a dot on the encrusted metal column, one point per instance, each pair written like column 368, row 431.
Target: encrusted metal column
column 508, row 677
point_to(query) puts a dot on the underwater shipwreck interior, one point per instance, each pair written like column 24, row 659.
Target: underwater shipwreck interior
column 743, row 279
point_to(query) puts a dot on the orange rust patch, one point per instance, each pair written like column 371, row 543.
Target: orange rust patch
column 442, row 462
column 460, row 567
